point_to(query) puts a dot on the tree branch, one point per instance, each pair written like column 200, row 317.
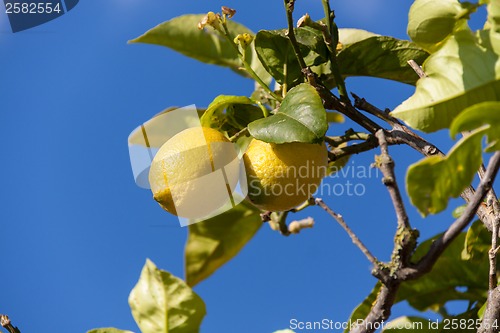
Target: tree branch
column 439, row 245
column 402, row 134
column 386, row 165
column 349, row 231
column 381, row 309
column 491, row 316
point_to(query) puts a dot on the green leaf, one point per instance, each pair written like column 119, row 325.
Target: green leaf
column 453, row 277
column 215, row 241
column 457, row 212
column 207, row 45
column 363, row 309
column 409, row 324
column 276, row 53
column 382, row 57
column 430, row 22
column 350, row 36
column 334, row 117
column 214, row 117
column 494, row 15
column 487, row 113
column 163, row 303
column 477, row 241
column 108, row 330
column 432, row 181
column 463, row 72
column 300, row 118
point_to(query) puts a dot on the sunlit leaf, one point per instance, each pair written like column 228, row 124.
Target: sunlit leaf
column 487, row 113
column 494, row 15
column 163, row 303
column 207, row 45
column 363, row 309
column 430, row 22
column 301, row 118
column 215, row 241
column 463, row 72
column 108, row 330
column 334, row 117
column 432, row 181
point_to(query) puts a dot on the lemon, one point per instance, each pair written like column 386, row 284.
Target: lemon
column 282, row 176
column 186, row 175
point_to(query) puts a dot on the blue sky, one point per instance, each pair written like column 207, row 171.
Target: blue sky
column 76, row 230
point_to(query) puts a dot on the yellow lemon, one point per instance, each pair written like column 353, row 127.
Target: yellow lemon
column 193, row 172
column 282, row 176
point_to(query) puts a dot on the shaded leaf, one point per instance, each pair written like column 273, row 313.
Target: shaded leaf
column 432, row 181
column 382, row 57
column 477, row 241
column 487, row 113
column 363, row 309
column 213, row 242
column 300, row 118
column 453, row 277
column 108, row 330
column 163, row 303
column 207, row 45
column 276, row 53
column 214, row 117
column 463, row 72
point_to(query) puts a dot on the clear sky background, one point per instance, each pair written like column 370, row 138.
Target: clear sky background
column 76, row 230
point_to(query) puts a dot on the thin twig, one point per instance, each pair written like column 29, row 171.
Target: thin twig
column 349, row 231
column 339, row 152
column 349, row 135
column 289, row 6
column 331, row 39
column 416, row 67
column 440, row 244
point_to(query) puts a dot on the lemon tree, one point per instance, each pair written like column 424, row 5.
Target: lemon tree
column 287, row 136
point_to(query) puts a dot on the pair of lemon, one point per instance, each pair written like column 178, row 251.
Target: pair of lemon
column 279, row 176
